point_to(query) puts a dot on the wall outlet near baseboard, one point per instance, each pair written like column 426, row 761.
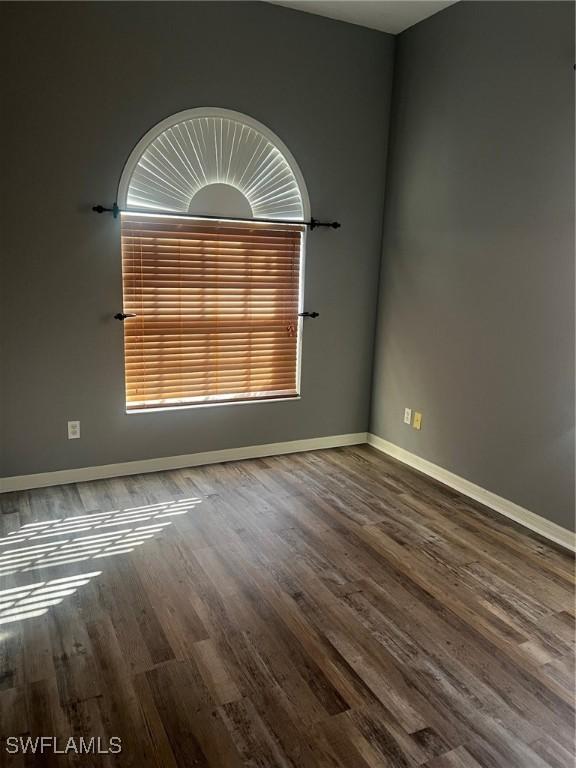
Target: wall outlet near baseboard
column 73, row 430
column 407, row 415
column 417, row 423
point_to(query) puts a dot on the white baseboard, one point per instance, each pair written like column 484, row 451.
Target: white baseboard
column 64, row 476
column 524, row 517
column 528, row 519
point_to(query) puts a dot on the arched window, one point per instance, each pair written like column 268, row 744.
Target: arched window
column 212, row 255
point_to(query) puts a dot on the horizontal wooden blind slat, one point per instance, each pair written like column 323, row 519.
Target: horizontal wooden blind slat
column 216, row 307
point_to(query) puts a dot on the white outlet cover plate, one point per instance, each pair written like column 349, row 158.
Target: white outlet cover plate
column 407, row 415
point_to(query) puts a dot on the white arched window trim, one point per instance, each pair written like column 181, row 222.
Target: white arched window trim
column 163, row 165
column 145, row 143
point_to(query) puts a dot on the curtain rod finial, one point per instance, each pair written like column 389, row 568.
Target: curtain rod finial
column 115, row 210
column 315, row 223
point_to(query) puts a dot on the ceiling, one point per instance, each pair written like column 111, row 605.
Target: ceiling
column 385, row 15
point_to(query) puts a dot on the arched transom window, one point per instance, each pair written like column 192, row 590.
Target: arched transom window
column 212, row 254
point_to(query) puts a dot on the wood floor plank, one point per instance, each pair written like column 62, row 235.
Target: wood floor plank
column 554, row 755
column 331, row 609
column 214, row 672
column 457, row 758
column 255, row 743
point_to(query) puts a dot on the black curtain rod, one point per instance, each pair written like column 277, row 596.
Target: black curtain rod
column 313, row 223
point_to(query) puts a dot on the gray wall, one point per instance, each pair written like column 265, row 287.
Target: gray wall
column 476, row 313
column 85, row 82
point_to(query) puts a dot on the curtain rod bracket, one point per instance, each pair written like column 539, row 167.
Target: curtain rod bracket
column 315, row 223
column 101, row 209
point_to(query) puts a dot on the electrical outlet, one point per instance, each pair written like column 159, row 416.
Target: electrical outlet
column 73, row 430
column 407, row 415
column 417, row 423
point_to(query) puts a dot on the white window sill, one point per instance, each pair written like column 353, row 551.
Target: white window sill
column 254, row 401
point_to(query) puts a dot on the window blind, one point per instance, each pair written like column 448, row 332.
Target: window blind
column 216, row 310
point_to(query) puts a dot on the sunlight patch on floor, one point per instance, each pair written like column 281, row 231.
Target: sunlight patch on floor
column 91, row 537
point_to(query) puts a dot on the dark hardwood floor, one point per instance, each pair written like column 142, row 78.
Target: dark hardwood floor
column 319, row 610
